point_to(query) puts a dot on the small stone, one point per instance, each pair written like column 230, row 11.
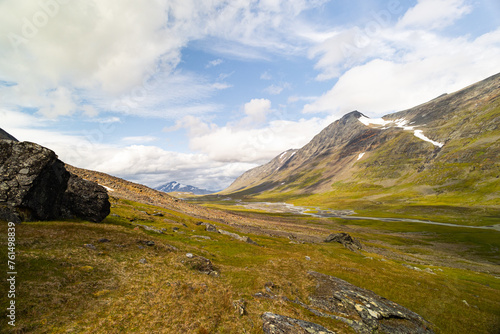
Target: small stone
column 143, row 261
column 175, row 229
column 308, row 258
column 24, row 171
column 240, row 306
column 104, row 240
column 150, row 243
column 90, row 246
column 158, row 214
column 465, row 302
column 189, row 255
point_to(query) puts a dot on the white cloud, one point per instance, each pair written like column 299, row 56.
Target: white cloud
column 276, row 89
column 61, row 54
column 139, row 139
column 256, row 111
column 434, row 14
column 400, row 65
column 249, row 140
column 257, row 145
column 149, row 165
column 214, row 63
column 266, row 76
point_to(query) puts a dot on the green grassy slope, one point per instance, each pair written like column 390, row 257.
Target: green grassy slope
column 66, row 287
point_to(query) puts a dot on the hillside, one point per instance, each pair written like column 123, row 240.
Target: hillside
column 443, row 151
column 158, row 264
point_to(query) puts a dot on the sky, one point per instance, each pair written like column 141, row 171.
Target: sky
column 199, row 91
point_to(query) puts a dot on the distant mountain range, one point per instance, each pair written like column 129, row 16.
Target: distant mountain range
column 445, row 149
column 178, row 187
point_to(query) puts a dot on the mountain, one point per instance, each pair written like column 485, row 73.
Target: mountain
column 446, row 148
column 178, row 187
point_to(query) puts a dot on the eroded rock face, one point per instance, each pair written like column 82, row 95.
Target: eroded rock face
column 279, row 324
column 363, row 310
column 34, row 185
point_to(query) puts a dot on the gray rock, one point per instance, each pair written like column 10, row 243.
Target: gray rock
column 238, row 237
column 5, row 135
column 36, row 186
column 209, row 227
column 200, row 264
column 201, row 237
column 240, row 306
column 345, row 239
column 143, row 261
column 363, row 310
column 85, row 200
column 279, row 324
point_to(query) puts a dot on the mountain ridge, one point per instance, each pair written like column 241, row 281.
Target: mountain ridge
column 434, row 148
column 175, row 186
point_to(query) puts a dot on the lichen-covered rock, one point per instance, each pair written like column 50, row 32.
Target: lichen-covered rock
column 35, row 185
column 344, row 239
column 85, row 200
column 199, row 263
column 279, row 324
column 363, row 310
column 238, row 237
column 5, row 135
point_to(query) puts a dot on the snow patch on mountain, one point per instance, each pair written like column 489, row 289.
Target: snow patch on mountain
column 419, row 134
column 398, row 123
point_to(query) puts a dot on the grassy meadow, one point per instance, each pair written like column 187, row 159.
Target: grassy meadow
column 80, row 277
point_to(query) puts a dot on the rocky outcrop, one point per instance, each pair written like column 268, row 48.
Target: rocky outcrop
column 199, row 263
column 345, row 239
column 5, row 135
column 363, row 310
column 85, row 200
column 34, row 185
column 238, row 237
column 279, row 324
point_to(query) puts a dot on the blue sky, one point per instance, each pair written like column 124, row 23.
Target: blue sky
column 201, row 91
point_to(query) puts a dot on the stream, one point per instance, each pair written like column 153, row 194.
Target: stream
column 280, row 207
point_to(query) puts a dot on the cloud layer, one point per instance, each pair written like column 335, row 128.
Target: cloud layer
column 106, row 62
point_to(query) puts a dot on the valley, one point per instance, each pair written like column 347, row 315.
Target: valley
column 132, row 272
column 375, row 226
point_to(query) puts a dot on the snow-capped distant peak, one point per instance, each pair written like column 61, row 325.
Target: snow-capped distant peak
column 175, row 186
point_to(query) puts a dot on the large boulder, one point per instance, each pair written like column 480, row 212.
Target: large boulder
column 279, row 324
column 34, row 185
column 344, row 239
column 365, row 311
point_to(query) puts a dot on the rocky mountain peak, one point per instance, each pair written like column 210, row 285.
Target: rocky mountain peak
column 450, row 132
